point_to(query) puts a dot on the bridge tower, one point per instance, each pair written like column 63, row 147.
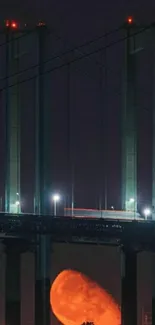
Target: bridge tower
column 129, row 137
column 42, row 189
column 12, row 115
column 12, row 165
column 129, row 177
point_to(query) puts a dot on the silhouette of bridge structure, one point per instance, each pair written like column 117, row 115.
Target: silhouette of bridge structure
column 138, row 233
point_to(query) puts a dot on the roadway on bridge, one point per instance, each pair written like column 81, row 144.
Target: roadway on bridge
column 79, row 230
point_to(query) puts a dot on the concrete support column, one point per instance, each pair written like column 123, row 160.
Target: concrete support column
column 42, row 284
column 153, row 289
column 2, row 284
column 153, row 134
column 129, row 287
column 27, row 288
column 12, row 301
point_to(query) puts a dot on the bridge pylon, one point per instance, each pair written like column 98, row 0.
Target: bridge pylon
column 129, row 134
column 153, row 288
column 42, row 190
column 11, row 100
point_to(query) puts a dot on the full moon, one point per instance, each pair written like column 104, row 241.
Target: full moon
column 76, row 299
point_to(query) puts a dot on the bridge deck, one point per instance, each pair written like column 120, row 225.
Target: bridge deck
column 67, row 229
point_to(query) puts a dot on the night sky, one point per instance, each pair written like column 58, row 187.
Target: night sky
column 92, row 112
column 81, row 111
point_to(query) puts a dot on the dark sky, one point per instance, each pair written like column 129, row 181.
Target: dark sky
column 92, row 111
column 79, row 20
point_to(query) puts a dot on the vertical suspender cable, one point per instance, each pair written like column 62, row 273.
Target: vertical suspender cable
column 153, row 150
column 69, row 142
column 101, row 107
column 103, row 130
column 135, row 125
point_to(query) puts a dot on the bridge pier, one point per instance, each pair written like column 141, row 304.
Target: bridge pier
column 13, row 250
column 129, row 287
column 27, row 287
column 42, row 282
column 12, row 285
column 2, row 283
column 153, row 289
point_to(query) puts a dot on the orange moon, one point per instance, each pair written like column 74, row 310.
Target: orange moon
column 76, row 299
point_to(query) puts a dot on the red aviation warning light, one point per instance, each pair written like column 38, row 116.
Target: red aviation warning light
column 130, row 20
column 14, row 25
column 7, row 23
column 11, row 24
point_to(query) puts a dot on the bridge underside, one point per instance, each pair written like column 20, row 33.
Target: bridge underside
column 79, row 230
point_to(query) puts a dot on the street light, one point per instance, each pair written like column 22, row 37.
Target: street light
column 55, row 198
column 17, row 204
column 147, row 212
column 130, row 204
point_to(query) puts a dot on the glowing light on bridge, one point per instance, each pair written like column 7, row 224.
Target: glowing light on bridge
column 14, row 25
column 41, row 23
column 147, row 212
column 130, row 20
column 11, row 24
column 56, row 198
column 76, row 299
column 7, row 23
